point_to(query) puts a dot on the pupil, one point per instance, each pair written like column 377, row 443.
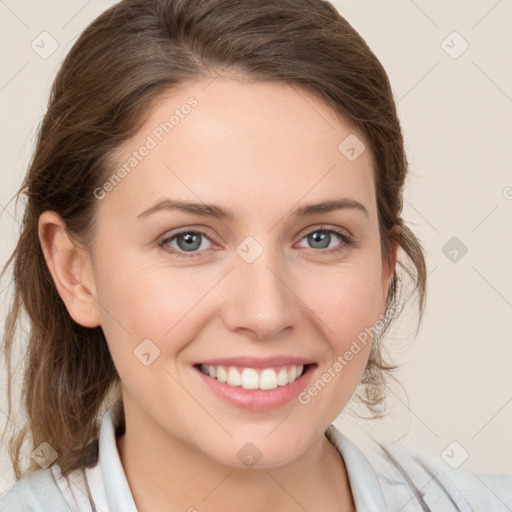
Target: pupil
column 319, row 237
column 190, row 240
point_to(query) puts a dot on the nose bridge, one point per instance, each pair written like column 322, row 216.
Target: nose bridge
column 260, row 297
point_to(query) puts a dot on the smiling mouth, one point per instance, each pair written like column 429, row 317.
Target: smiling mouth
column 255, row 378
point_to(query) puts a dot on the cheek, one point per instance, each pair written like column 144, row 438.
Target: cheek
column 346, row 305
column 346, row 299
column 139, row 303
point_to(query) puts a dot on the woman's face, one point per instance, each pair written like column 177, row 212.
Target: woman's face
column 242, row 274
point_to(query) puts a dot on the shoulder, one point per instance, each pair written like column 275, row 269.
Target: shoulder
column 486, row 491
column 441, row 487
column 35, row 491
column 407, row 479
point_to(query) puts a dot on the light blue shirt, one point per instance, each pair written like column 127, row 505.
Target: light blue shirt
column 392, row 479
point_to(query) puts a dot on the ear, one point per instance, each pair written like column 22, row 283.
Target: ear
column 388, row 270
column 71, row 270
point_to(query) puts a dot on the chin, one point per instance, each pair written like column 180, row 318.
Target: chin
column 256, row 454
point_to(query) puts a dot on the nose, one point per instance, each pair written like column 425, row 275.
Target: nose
column 261, row 300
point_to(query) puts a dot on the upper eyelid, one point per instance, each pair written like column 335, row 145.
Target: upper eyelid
column 181, row 231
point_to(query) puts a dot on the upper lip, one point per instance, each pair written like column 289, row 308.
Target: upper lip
column 258, row 362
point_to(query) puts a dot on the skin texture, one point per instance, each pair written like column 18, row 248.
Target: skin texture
column 260, row 150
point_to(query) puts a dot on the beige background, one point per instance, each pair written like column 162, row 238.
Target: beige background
column 456, row 115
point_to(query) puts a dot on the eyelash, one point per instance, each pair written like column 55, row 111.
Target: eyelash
column 347, row 240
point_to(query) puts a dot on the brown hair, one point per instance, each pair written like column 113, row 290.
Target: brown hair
column 121, row 64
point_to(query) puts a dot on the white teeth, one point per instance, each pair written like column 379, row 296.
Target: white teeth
column 292, row 374
column 234, row 377
column 249, row 378
column 268, row 379
column 221, row 374
column 282, row 377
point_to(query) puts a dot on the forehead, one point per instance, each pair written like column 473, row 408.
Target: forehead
column 247, row 144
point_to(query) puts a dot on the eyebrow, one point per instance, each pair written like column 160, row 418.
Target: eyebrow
column 218, row 212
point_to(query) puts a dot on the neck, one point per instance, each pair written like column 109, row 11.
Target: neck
column 165, row 472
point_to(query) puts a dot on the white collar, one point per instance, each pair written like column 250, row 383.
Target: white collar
column 117, row 491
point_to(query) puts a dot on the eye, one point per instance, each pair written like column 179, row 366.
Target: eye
column 187, row 241
column 321, row 237
column 191, row 241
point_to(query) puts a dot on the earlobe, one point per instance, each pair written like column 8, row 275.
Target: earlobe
column 70, row 268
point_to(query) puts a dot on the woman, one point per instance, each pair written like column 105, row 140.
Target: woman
column 209, row 253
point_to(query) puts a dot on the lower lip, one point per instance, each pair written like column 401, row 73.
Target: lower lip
column 258, row 399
